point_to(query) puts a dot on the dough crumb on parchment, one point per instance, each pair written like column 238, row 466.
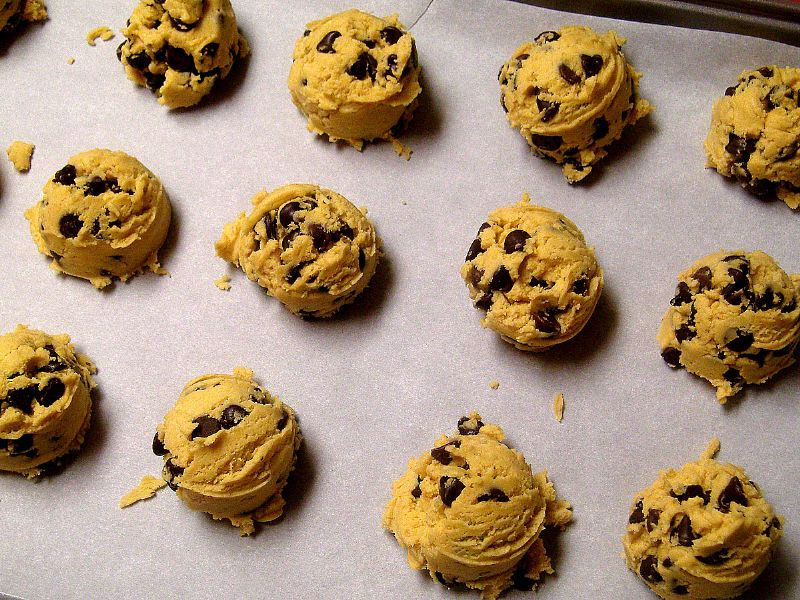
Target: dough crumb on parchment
column 147, row 488
column 102, row 32
column 558, row 407
column 223, row 283
column 20, row 153
column 494, row 384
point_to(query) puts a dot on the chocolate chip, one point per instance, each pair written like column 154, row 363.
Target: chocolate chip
column 391, row 35
column 648, row 569
column 139, row 61
column 325, row 45
column 181, row 25
column 22, row 445
column 417, row 491
column 581, row 286
column 732, row 376
column 494, row 494
column 391, row 63
column 362, row 259
column 322, row 238
column 684, row 532
column 683, row 295
column 568, row 75
column 172, row 470
column 210, row 49
column 474, row 250
column 95, row 186
column 742, row 341
column 790, row 306
column 364, row 65
column 667, row 562
column 95, row 230
column 515, row 241
column 286, row 215
column 546, row 322
column 546, row 36
column 546, row 142
column 534, row 282
column 762, row 188
column 232, row 415
column 484, row 303
column 282, row 421
column 158, row 446
column 70, row 225
column 548, row 109
column 692, row 491
column 652, row 519
column 730, row 91
column 154, row 80
column 680, row 590
column 287, row 240
column 766, row 71
column 346, row 231
column 66, row 175
column 119, row 51
column 501, row 280
column 591, row 64
column 703, row 277
column 520, row 580
column 775, row 523
column 714, row 559
column 440, row 578
column 787, row 152
column 733, row 492
column 684, row 332
column 441, row 454
column 54, row 363
column 179, row 60
column 600, row 128
column 740, row 148
column 482, row 227
column 51, row 392
column 450, row 488
column 637, row 516
column 465, row 426
column 294, row 273
column 306, row 32
column 22, row 398
column 205, row 427
column 671, row 356
column 270, row 227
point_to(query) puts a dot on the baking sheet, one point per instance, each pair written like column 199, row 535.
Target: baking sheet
column 378, row 383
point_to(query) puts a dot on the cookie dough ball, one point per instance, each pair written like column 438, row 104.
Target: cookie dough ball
column 180, row 48
column 308, row 246
column 703, row 531
column 45, row 401
column 571, row 93
column 12, row 12
column 228, row 448
column 755, row 133
column 355, row 77
column 103, row 215
column 471, row 511
column 734, row 320
column 530, row 270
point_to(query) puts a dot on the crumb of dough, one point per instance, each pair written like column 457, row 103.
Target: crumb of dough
column 223, row 283
column 34, row 10
column 558, row 407
column 404, row 203
column 400, row 149
column 712, row 449
column 19, row 153
column 147, row 488
column 494, row 384
column 102, row 32
column 70, row 61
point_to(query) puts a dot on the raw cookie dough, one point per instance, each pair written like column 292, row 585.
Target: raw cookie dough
column 103, row 215
column 308, row 246
column 12, row 12
column 734, row 320
column 472, row 512
column 20, row 153
column 180, row 48
column 99, row 33
column 355, row 77
column 228, row 447
column 530, row 270
column 571, row 93
column 45, row 401
column 755, row 133
column 703, row 531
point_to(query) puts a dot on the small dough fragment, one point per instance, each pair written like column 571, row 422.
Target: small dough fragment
column 571, row 93
column 20, row 153
column 103, row 215
column 223, row 283
column 734, row 320
column 102, row 33
column 180, row 48
column 703, row 531
column 355, row 77
column 45, row 399
column 755, row 133
column 530, row 270
column 558, row 407
column 471, row 511
column 308, row 246
column 147, row 488
column 13, row 12
column 494, row 384
column 228, row 448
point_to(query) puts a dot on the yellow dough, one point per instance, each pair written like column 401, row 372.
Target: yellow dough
column 179, row 48
column 703, row 531
column 228, row 447
column 14, row 11
column 20, row 153
column 308, row 246
column 471, row 511
column 571, row 93
column 755, row 133
column 530, row 270
column 734, row 320
column 45, row 401
column 104, row 215
column 355, row 77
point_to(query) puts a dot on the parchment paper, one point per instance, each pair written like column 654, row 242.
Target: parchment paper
column 377, row 384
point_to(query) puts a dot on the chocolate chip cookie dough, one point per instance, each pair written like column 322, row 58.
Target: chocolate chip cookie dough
column 471, row 511
column 735, row 319
column 228, row 448
column 356, row 77
column 530, row 270
column 703, row 531
column 45, row 401
column 571, row 93
column 13, row 12
column 755, row 133
column 180, row 48
column 308, row 246
column 103, row 215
